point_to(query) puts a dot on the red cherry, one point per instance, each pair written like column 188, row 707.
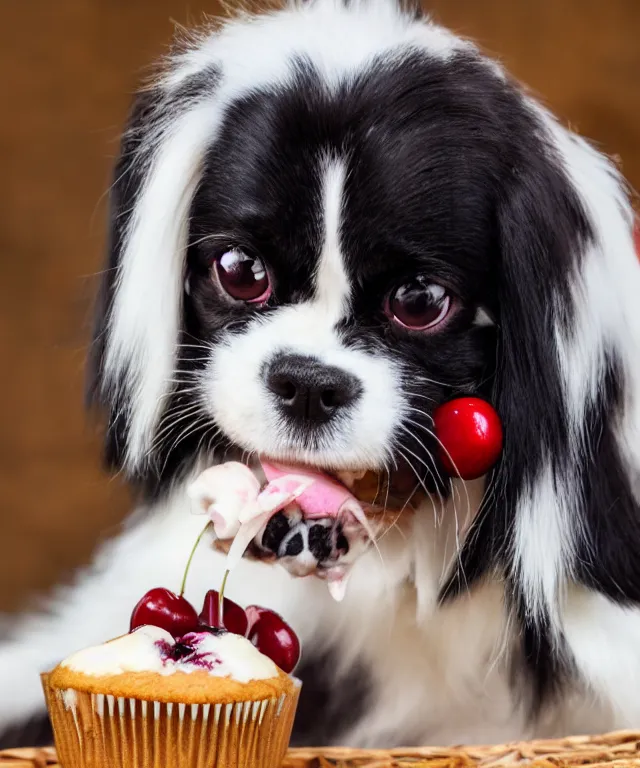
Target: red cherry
column 470, row 431
column 162, row 608
column 274, row 637
column 235, row 619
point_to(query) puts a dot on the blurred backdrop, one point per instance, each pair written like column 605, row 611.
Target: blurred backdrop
column 69, row 68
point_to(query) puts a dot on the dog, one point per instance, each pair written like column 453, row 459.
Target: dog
column 327, row 220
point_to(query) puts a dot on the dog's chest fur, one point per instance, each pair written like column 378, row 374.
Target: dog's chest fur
column 454, row 676
column 389, row 665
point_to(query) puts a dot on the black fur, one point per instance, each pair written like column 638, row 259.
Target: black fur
column 328, row 707
column 34, row 733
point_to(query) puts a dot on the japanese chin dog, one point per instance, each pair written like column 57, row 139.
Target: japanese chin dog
column 327, row 220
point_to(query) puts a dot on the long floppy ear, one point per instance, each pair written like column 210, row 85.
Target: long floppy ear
column 139, row 311
column 559, row 507
column 128, row 178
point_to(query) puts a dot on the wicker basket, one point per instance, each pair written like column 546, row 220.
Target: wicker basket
column 614, row 750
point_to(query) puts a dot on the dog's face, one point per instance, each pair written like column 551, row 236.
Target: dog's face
column 311, row 253
column 341, row 268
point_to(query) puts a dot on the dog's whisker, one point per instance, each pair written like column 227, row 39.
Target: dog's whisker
column 160, row 437
column 437, row 439
column 413, row 469
column 421, row 396
column 430, row 469
column 191, row 429
column 394, row 523
column 422, row 413
column 175, row 416
column 455, row 492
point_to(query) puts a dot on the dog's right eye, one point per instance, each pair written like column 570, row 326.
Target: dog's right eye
column 243, row 276
column 420, row 305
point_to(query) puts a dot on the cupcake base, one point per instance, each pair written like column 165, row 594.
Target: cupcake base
column 101, row 731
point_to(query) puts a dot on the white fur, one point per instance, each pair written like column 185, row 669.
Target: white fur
column 332, row 284
column 544, row 531
column 604, row 639
column 339, row 40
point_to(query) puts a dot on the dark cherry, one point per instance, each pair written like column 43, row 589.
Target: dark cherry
column 253, row 613
column 274, row 637
column 234, row 618
column 162, row 608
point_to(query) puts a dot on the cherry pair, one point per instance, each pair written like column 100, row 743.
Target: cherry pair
column 265, row 629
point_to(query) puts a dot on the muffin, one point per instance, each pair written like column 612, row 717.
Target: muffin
column 208, row 699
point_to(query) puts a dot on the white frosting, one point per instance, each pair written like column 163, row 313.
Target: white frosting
column 240, row 660
column 69, row 699
column 147, row 649
column 136, row 652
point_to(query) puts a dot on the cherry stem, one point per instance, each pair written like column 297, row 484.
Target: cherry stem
column 221, row 598
column 193, row 551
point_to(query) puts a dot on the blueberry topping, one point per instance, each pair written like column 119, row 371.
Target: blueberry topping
column 164, row 647
column 180, row 651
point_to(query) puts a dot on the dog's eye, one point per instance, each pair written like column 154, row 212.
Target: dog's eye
column 419, row 305
column 242, row 276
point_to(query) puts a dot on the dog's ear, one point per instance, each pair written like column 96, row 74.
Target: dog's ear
column 568, row 374
column 559, row 506
column 139, row 310
column 128, row 177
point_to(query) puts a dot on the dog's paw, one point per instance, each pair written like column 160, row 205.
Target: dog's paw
column 302, row 546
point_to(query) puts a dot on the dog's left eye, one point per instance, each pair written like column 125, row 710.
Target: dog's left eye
column 419, row 304
column 242, row 276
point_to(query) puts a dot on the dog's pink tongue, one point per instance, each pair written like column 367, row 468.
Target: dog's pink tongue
column 324, row 498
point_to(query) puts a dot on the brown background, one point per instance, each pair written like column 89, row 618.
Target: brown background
column 68, row 69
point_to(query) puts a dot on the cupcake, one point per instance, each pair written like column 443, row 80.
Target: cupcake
column 208, row 699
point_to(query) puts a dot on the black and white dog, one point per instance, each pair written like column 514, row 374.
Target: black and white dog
column 350, row 193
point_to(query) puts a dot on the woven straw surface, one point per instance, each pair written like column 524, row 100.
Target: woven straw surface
column 614, row 750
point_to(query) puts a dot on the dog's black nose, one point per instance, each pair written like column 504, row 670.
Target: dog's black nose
column 308, row 391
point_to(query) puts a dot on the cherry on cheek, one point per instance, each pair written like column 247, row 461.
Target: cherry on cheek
column 162, row 608
column 470, row 432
